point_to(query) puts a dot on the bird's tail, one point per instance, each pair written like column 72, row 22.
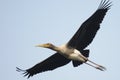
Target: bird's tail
column 85, row 52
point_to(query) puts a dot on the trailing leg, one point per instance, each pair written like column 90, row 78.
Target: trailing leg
column 97, row 66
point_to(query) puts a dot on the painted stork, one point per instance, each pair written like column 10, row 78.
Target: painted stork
column 75, row 49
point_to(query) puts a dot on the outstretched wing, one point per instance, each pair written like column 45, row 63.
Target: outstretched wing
column 84, row 36
column 50, row 63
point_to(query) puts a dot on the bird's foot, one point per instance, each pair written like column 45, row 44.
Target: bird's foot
column 102, row 68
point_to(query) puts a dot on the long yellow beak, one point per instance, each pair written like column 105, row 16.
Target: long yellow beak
column 39, row 45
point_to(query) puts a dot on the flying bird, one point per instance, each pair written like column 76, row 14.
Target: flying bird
column 75, row 49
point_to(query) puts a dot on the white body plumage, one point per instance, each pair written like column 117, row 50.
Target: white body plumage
column 71, row 53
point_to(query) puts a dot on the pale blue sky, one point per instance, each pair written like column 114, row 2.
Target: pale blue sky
column 25, row 23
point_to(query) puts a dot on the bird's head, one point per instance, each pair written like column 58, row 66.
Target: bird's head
column 47, row 45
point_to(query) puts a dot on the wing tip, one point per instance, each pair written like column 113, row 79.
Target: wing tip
column 105, row 4
column 25, row 72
